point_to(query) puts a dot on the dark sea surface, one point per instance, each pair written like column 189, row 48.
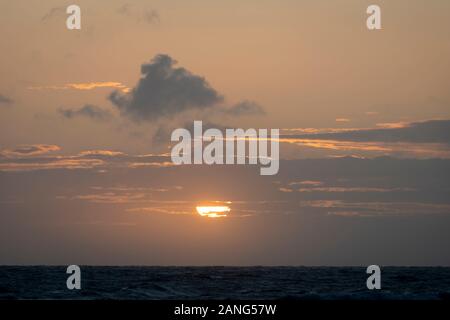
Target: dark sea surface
column 329, row 283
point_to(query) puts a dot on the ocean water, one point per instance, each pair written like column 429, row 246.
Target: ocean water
column 154, row 283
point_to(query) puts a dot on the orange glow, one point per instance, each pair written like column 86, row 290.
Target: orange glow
column 213, row 211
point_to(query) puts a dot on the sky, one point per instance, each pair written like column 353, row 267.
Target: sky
column 86, row 116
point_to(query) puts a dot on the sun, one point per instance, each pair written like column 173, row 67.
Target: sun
column 213, row 211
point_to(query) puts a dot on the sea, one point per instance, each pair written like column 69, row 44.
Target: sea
column 222, row 283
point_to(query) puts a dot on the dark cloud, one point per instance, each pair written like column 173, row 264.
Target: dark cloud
column 5, row 100
column 29, row 150
column 89, row 111
column 244, row 108
column 433, row 131
column 165, row 90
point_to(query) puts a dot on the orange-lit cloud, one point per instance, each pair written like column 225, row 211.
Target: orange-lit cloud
column 101, row 153
column 338, row 145
column 290, row 131
column 54, row 164
column 342, row 120
column 29, row 150
column 346, row 189
column 151, row 164
column 213, row 211
column 162, row 210
column 367, row 149
column 36, row 157
column 306, row 183
column 85, row 86
column 393, row 125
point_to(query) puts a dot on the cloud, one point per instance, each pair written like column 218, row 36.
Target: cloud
column 376, row 208
column 342, row 120
column 53, row 12
column 337, row 148
column 84, row 86
column 163, row 210
column 96, row 153
column 151, row 164
column 36, row 157
column 53, row 164
column 89, row 111
column 432, row 131
column 112, row 197
column 124, row 9
column 348, row 189
column 306, row 183
column 149, row 16
column 94, row 85
column 163, row 133
column 122, row 188
column 165, row 90
column 29, row 150
column 426, row 139
column 244, row 108
column 314, row 186
column 5, row 100
column 123, row 194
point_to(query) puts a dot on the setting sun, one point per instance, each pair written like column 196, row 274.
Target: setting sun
column 213, row 211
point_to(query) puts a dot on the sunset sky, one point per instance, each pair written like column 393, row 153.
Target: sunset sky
column 86, row 116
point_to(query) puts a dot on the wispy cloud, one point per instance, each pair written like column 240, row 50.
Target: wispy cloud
column 54, row 12
column 306, row 183
column 84, row 86
column 29, row 150
column 5, row 100
column 108, row 153
column 89, row 111
column 431, row 131
column 376, row 208
column 314, row 186
column 63, row 163
column 112, row 197
column 36, row 157
column 151, row 164
column 123, row 194
column 393, row 125
column 350, row 189
column 150, row 16
column 424, row 139
column 244, row 108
